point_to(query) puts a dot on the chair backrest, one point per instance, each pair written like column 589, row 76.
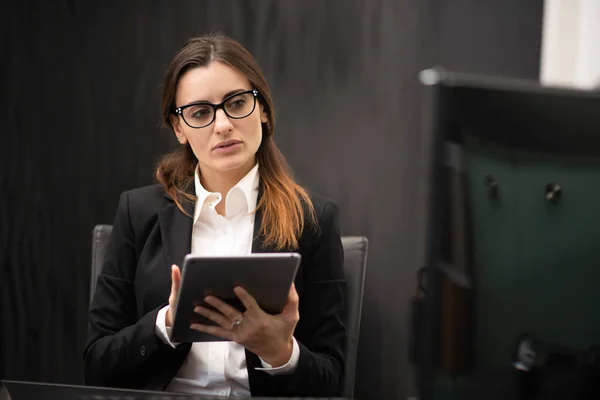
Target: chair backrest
column 100, row 238
column 355, row 266
column 355, row 263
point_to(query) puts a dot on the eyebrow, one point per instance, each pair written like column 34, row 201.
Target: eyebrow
column 231, row 92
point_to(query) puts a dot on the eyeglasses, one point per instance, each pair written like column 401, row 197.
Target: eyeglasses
column 202, row 113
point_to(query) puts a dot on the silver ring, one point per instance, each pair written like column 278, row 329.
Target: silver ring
column 238, row 320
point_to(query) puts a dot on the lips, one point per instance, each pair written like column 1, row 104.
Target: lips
column 227, row 143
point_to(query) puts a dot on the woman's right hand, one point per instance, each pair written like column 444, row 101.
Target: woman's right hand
column 175, row 283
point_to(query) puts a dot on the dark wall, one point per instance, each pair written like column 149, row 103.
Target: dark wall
column 491, row 37
column 80, row 104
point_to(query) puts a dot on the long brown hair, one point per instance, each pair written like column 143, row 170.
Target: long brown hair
column 284, row 204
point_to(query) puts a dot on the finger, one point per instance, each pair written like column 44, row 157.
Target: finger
column 225, row 309
column 214, row 316
column 293, row 296
column 175, row 282
column 172, row 279
column 176, row 278
column 213, row 330
column 293, row 301
column 246, row 298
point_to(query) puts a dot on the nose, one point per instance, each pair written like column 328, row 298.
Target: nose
column 223, row 124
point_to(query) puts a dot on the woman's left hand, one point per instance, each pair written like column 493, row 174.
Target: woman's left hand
column 268, row 336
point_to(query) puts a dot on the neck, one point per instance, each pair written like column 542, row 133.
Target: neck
column 223, row 181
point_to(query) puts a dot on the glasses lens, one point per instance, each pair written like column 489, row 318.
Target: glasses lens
column 198, row 115
column 240, row 106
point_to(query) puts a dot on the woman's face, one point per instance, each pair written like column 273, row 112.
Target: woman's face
column 227, row 144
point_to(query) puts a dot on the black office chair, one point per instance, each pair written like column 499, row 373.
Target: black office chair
column 355, row 263
column 100, row 238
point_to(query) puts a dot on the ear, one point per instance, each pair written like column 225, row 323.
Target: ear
column 263, row 115
column 176, row 124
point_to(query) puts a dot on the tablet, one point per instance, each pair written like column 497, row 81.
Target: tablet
column 266, row 276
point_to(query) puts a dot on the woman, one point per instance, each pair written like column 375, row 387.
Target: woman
column 225, row 191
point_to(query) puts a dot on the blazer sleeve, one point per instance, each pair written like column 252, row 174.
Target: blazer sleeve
column 120, row 346
column 321, row 332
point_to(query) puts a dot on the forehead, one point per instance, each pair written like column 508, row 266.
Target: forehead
column 209, row 83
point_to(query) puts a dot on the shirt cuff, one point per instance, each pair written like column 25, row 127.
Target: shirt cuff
column 161, row 329
column 288, row 368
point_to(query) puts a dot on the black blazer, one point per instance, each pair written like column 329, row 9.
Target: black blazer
column 149, row 235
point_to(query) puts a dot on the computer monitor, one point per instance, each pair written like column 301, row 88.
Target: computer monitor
column 512, row 283
column 22, row 390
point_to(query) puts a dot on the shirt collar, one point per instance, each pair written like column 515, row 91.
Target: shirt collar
column 248, row 186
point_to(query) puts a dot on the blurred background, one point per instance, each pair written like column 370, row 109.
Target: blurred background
column 81, row 84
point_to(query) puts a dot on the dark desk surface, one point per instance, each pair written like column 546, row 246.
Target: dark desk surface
column 18, row 390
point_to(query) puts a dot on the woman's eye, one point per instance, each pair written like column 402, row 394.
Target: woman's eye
column 202, row 113
column 237, row 103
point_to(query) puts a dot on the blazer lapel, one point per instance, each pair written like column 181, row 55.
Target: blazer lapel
column 176, row 232
column 258, row 242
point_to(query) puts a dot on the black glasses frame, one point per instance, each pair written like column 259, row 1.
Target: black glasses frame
column 221, row 105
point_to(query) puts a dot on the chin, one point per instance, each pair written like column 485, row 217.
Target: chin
column 231, row 165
